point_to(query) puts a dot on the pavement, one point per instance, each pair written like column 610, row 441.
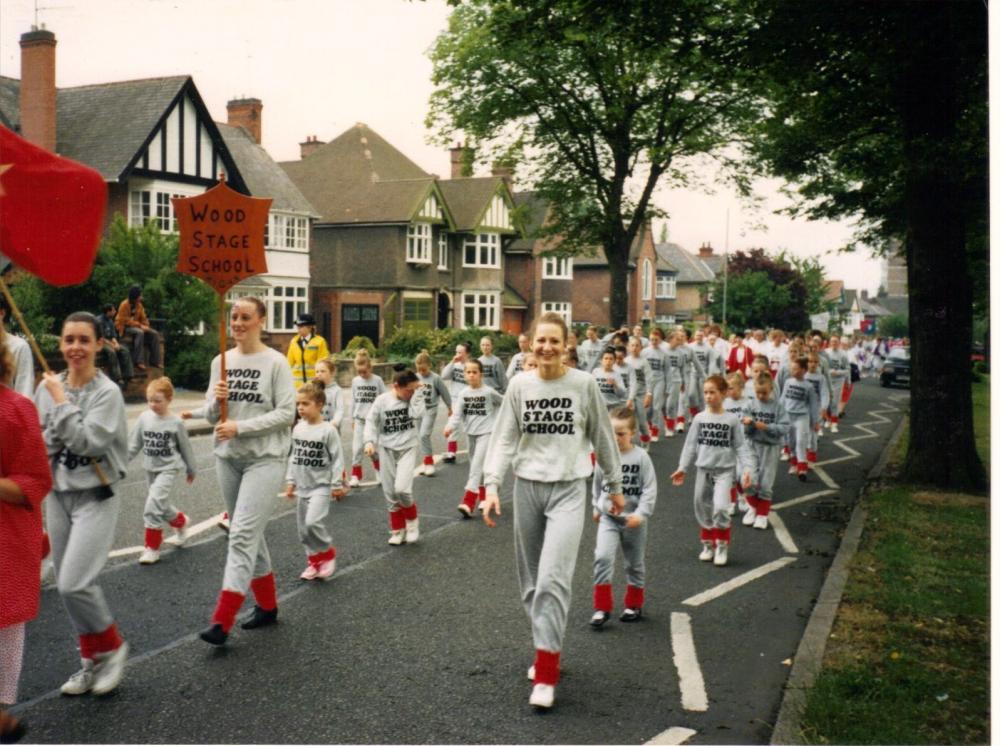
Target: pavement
column 429, row 643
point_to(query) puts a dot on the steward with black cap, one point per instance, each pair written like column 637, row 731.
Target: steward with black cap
column 306, row 349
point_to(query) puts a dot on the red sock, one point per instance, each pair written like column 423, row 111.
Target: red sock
column 732, row 494
column 226, row 608
column 707, row 534
column 811, row 456
column 409, row 513
column 100, row 642
column 469, row 499
column 834, row 419
column 643, row 438
column 396, row 520
column 654, row 431
column 670, row 423
column 634, row 597
column 265, row 593
column 154, row 537
column 46, row 546
column 680, row 420
column 603, row 599
column 593, row 459
column 546, row 667
column 803, row 467
column 428, row 461
column 452, row 447
column 723, row 534
column 753, row 502
column 793, row 461
column 180, row 521
column 375, row 463
column 315, row 559
column 87, row 646
column 482, row 493
column 763, row 507
column 331, row 553
column 356, row 472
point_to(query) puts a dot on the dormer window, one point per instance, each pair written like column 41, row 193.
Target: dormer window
column 418, row 243
column 482, row 250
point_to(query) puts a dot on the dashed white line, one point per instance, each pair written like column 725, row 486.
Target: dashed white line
column 692, row 683
column 781, row 534
column 671, row 737
column 740, row 580
column 800, row 500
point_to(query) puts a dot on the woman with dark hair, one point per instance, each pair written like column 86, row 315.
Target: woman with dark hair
column 83, row 421
column 133, row 326
column 24, row 481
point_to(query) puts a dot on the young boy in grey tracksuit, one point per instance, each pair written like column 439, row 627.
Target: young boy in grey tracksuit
column 434, row 390
column 656, row 356
column 628, row 529
column 166, row 450
column 314, row 473
column 716, row 446
column 391, row 428
column 801, row 402
column 767, row 426
column 820, row 383
column 610, row 382
column 475, row 412
column 365, row 388
column 494, row 373
column 673, row 376
column 641, row 396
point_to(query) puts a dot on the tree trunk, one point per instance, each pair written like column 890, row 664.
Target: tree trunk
column 618, row 267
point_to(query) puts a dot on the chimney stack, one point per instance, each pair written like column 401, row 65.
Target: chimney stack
column 246, row 113
column 458, row 157
column 505, row 171
column 310, row 146
column 38, row 88
column 705, row 250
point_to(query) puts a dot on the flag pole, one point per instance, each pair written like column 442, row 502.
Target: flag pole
column 223, row 405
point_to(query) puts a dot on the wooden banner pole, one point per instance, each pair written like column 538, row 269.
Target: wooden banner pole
column 223, row 406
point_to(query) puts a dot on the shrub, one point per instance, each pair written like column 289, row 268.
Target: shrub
column 981, row 367
column 358, row 342
column 406, row 342
column 190, row 360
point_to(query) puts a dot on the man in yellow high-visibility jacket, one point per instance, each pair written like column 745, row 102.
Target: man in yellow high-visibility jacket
column 305, row 349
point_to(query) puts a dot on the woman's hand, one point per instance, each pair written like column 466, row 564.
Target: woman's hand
column 226, row 430
column 221, row 391
column 677, row 478
column 633, row 521
column 369, row 449
column 447, row 431
column 54, row 385
column 617, row 503
column 491, row 504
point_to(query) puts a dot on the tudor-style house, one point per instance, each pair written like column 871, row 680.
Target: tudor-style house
column 396, row 246
column 154, row 139
column 682, row 283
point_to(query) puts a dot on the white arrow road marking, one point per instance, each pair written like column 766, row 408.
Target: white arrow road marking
column 820, row 472
column 671, row 737
column 800, row 500
column 740, row 580
column 781, row 534
column 693, row 696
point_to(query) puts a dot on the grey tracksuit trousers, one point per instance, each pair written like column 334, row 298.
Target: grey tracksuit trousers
column 799, row 436
column 426, row 430
column 610, row 535
column 358, row 442
column 396, row 476
column 767, row 465
column 477, row 457
column 158, row 512
column 675, row 400
column 312, row 509
column 82, row 529
column 250, row 491
column 658, row 388
column 548, row 524
column 711, row 497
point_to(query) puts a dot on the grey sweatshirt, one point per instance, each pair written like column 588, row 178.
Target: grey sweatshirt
column 772, row 413
column 433, row 390
column 641, row 375
column 454, row 375
column 261, row 402
column 589, row 354
column 638, row 486
column 516, row 365
column 475, row 410
column 612, row 387
column 24, row 365
column 494, row 374
column 715, row 441
column 625, row 371
column 317, row 457
column 90, row 425
column 657, row 359
column 736, row 406
column 392, row 423
column 163, row 441
column 800, row 400
column 821, row 386
column 705, row 357
column 691, row 366
column 333, row 410
column 674, row 363
column 364, row 391
column 548, row 426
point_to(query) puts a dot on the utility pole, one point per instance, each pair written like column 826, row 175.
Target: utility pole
column 725, row 271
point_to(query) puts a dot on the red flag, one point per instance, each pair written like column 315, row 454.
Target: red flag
column 51, row 211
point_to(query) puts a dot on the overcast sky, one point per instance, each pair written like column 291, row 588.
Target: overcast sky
column 319, row 66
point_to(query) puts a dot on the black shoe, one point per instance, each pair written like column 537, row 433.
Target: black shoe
column 599, row 618
column 261, row 618
column 214, row 635
column 802, row 476
column 631, row 615
column 12, row 730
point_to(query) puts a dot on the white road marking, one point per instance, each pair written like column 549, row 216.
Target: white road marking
column 800, row 500
column 781, row 534
column 740, row 580
column 671, row 737
column 692, row 683
column 820, row 472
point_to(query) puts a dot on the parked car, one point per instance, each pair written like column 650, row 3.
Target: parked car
column 896, row 369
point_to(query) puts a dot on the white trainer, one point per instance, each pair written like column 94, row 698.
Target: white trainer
column 834, row 428
column 731, row 509
column 429, row 470
column 310, row 572
column 542, row 695
column 793, row 469
column 420, row 471
column 353, row 481
column 749, row 516
column 326, row 569
column 819, row 433
column 669, row 433
column 707, row 551
column 654, row 438
column 109, row 670
column 82, row 681
column 742, row 504
column 149, row 556
column 412, row 531
column 531, row 672
column 760, row 522
column 680, row 427
column 721, row 553
column 396, row 537
column 785, row 456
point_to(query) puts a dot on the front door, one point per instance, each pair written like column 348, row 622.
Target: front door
column 358, row 320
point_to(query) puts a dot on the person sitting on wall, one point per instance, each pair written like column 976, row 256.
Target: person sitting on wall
column 119, row 360
column 305, row 349
column 133, row 327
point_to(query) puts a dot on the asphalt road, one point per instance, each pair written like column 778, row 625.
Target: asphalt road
column 429, row 643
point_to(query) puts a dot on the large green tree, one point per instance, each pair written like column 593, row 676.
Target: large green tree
column 607, row 100
column 878, row 111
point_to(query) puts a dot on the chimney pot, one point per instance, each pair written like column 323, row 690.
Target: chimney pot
column 458, row 158
column 246, row 113
column 505, row 171
column 310, row 146
column 706, row 250
column 38, row 88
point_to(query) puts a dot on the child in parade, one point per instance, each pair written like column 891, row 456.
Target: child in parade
column 82, row 416
column 474, row 412
column 454, row 376
column 365, row 388
column 814, row 375
column 391, row 431
column 610, row 382
column 590, row 350
column 315, row 471
column 433, row 389
column 716, row 447
column 641, row 374
column 840, row 376
column 546, row 425
column 736, row 403
column 494, row 374
column 656, row 358
column 166, row 450
column 516, row 364
column 801, row 402
column 767, row 424
column 333, row 410
column 251, row 450
column 627, row 529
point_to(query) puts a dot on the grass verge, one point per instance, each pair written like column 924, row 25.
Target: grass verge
column 908, row 657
